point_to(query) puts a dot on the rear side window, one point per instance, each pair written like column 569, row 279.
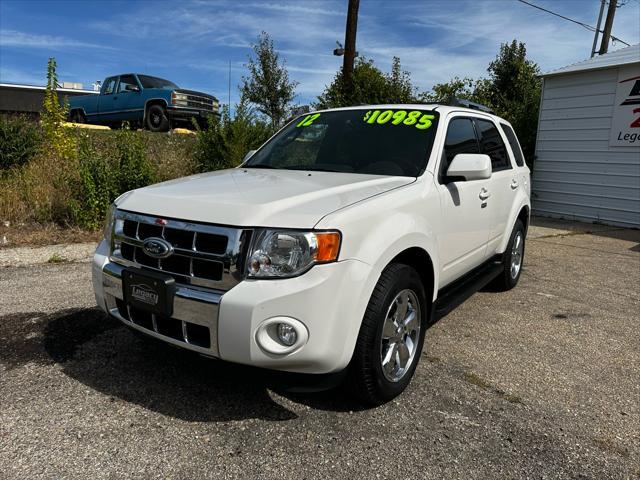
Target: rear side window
column 513, row 143
column 126, row 80
column 491, row 144
column 461, row 138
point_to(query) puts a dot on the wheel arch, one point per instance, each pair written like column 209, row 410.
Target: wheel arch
column 153, row 101
column 520, row 211
column 77, row 109
column 524, row 216
column 420, row 260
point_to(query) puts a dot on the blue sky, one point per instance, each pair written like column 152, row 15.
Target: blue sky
column 191, row 42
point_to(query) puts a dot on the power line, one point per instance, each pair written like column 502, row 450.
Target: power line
column 584, row 25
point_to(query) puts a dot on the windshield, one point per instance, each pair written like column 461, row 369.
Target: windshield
column 372, row 141
column 155, row 82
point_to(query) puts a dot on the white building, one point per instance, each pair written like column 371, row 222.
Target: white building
column 587, row 163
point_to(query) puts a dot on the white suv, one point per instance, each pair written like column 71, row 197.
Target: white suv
column 330, row 249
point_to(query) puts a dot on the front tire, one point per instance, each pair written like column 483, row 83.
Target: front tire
column 512, row 261
column 157, row 120
column 391, row 336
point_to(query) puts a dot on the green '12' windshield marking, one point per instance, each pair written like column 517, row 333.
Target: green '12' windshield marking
column 420, row 120
column 308, row 120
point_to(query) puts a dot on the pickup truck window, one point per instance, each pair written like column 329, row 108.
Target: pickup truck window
column 109, row 86
column 155, row 82
column 491, row 143
column 126, row 80
column 461, row 138
column 513, row 141
column 345, row 141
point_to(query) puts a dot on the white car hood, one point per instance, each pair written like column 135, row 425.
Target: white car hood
column 258, row 197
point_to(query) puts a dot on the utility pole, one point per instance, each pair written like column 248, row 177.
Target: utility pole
column 597, row 33
column 608, row 23
column 350, row 44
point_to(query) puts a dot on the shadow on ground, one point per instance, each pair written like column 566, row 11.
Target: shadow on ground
column 583, row 228
column 106, row 356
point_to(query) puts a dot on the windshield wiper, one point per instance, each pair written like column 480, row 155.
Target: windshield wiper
column 311, row 168
column 259, row 165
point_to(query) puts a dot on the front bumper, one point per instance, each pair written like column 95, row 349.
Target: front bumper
column 329, row 301
column 186, row 113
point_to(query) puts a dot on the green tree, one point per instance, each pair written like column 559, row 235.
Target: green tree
column 400, row 88
column 226, row 141
column 466, row 88
column 370, row 86
column 513, row 90
column 268, row 85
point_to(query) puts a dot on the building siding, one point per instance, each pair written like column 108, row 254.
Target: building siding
column 577, row 175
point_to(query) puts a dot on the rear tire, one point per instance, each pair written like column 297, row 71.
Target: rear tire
column 157, row 120
column 513, row 260
column 77, row 117
column 389, row 332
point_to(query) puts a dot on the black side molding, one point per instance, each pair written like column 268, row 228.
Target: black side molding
column 454, row 294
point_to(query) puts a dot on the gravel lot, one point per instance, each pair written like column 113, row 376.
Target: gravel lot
column 539, row 382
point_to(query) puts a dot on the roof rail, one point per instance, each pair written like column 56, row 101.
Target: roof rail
column 461, row 102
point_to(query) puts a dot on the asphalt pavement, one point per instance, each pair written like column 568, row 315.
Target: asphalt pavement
column 539, row 382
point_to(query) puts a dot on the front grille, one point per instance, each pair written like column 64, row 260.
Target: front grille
column 198, row 101
column 187, row 332
column 204, row 255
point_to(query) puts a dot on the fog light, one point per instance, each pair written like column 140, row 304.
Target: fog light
column 281, row 335
column 287, row 334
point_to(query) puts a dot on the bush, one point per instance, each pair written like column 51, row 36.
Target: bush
column 20, row 139
column 102, row 178
column 94, row 189
column 75, row 190
column 226, row 140
column 134, row 169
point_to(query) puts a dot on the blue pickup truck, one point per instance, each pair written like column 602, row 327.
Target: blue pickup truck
column 142, row 100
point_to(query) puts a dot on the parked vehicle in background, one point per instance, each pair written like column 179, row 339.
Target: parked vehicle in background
column 329, row 250
column 142, row 100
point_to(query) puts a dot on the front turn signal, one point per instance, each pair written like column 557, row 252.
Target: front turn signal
column 328, row 246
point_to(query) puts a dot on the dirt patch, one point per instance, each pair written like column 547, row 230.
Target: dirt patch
column 36, row 234
column 478, row 381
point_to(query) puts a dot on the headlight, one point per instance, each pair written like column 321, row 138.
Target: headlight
column 108, row 223
column 287, row 253
column 179, row 98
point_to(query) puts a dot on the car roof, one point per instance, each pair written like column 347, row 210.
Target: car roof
column 443, row 109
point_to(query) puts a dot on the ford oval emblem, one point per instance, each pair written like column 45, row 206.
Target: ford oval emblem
column 157, row 247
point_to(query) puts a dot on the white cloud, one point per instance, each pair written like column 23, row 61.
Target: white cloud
column 15, row 38
column 13, row 75
column 435, row 39
column 465, row 36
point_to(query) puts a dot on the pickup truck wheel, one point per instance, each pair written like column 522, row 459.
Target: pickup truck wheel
column 157, row 120
column 77, row 117
column 512, row 260
column 391, row 336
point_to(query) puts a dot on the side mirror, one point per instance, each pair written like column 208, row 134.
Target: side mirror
column 470, row 166
column 132, row 88
column 248, row 155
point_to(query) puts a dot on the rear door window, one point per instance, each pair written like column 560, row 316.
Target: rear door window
column 491, row 144
column 513, row 143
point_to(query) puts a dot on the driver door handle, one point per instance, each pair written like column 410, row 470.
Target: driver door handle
column 484, row 194
column 514, row 184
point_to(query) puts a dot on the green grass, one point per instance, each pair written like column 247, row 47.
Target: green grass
column 56, row 258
